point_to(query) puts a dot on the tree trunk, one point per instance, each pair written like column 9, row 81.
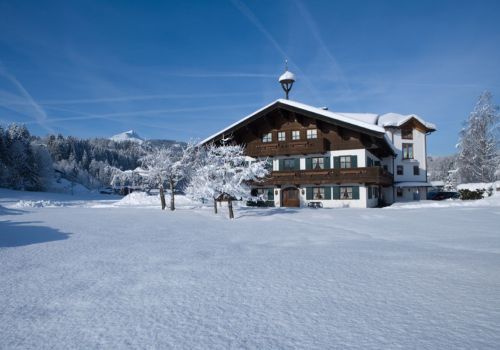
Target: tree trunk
column 162, row 198
column 230, row 207
column 215, row 206
column 172, row 200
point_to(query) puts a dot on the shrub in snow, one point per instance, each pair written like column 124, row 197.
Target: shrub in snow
column 466, row 194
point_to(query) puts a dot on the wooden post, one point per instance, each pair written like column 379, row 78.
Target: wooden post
column 230, row 207
column 215, row 206
column 172, row 200
column 162, row 198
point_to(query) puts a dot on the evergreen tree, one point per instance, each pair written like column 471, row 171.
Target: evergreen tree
column 478, row 144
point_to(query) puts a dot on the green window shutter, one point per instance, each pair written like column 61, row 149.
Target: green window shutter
column 269, row 164
column 309, row 193
column 354, row 161
column 328, row 192
column 336, row 162
column 281, row 167
column 270, row 194
column 355, row 192
column 297, row 163
column 369, row 192
column 309, row 163
column 327, row 162
column 335, row 192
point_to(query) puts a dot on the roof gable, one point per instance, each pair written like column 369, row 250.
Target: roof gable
column 313, row 112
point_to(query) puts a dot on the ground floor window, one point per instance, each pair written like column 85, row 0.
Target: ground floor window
column 399, row 192
column 318, row 193
column 345, row 192
column 263, row 194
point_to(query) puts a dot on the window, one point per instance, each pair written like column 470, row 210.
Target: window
column 416, row 170
column 296, row 135
column 318, row 163
column 370, row 192
column 400, row 170
column 375, row 192
column 318, row 193
column 267, row 137
column 407, row 134
column 288, row 164
column 312, row 133
column 399, row 192
column 407, row 150
column 264, row 194
column 345, row 162
column 281, row 136
column 369, row 162
column 346, row 192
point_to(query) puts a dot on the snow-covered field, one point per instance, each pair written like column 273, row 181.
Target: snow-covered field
column 94, row 272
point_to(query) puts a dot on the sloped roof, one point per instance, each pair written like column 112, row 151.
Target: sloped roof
column 395, row 119
column 341, row 118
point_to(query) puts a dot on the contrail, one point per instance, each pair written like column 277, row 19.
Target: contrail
column 88, row 116
column 255, row 21
column 40, row 115
column 132, row 98
column 311, row 23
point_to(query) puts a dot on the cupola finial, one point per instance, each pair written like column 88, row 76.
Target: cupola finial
column 287, row 79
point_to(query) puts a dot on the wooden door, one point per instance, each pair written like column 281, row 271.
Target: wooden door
column 290, row 197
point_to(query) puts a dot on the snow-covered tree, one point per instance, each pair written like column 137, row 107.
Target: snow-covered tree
column 224, row 174
column 478, row 144
column 169, row 165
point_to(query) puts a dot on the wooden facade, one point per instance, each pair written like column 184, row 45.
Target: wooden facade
column 367, row 175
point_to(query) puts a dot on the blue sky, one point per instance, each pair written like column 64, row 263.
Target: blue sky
column 185, row 69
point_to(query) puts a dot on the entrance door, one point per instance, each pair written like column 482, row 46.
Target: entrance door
column 290, row 197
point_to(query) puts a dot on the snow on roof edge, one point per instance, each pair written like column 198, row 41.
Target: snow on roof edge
column 316, row 110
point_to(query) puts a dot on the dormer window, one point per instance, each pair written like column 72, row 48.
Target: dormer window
column 312, row 133
column 281, row 136
column 407, row 134
column 267, row 137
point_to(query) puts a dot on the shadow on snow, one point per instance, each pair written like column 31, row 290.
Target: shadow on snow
column 254, row 212
column 16, row 234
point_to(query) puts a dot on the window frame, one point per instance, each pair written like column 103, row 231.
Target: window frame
column 288, row 161
column 267, row 137
column 321, row 191
column 281, row 136
column 344, row 190
column 407, row 134
column 312, row 134
column 295, row 135
column 400, row 167
column 343, row 162
column 319, row 160
column 406, row 148
column 416, row 170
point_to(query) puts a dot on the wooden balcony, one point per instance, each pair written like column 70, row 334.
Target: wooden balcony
column 370, row 176
column 287, row 148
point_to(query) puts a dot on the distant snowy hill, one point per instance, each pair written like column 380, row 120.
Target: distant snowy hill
column 130, row 135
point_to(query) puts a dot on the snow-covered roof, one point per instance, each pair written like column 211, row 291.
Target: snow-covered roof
column 370, row 118
column 340, row 117
column 396, row 120
column 287, row 76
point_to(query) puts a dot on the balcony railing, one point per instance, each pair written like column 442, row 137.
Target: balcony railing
column 287, row 148
column 370, row 175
